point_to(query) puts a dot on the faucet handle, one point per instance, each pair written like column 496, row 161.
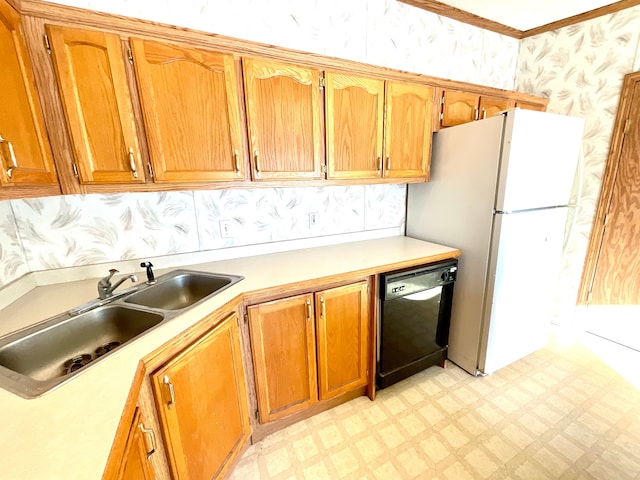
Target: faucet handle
column 107, row 280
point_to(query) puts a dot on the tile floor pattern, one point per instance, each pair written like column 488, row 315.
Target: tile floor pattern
column 560, row 413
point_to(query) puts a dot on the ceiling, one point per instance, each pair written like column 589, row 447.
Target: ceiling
column 526, row 14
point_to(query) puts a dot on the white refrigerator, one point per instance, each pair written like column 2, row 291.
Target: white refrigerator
column 499, row 191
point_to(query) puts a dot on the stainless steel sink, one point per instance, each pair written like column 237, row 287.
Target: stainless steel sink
column 46, row 354
column 39, row 358
column 181, row 288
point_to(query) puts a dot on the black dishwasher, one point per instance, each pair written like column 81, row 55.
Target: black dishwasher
column 415, row 314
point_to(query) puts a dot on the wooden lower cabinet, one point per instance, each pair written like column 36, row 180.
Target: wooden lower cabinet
column 308, row 348
column 141, row 444
column 202, row 404
column 284, row 355
column 342, row 332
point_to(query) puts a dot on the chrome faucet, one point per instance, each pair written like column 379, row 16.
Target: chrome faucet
column 105, row 289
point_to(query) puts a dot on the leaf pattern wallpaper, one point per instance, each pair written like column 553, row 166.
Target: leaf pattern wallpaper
column 72, row 230
column 378, row 32
column 12, row 260
column 581, row 69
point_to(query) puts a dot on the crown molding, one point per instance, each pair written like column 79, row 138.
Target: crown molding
column 469, row 18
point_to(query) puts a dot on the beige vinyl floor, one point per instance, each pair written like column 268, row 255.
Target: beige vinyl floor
column 561, row 413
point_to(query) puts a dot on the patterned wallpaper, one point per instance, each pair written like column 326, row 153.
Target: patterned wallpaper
column 581, row 68
column 378, row 32
column 13, row 263
column 73, row 230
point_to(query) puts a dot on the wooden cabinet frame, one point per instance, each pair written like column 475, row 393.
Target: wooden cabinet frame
column 36, row 14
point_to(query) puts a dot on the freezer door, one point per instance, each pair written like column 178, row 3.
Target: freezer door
column 538, row 161
column 523, row 272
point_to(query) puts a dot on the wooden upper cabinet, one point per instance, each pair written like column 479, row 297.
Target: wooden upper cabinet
column 462, row 107
column 92, row 80
column 489, row 106
column 540, row 107
column 191, row 111
column 459, row 107
column 343, row 338
column 354, row 112
column 202, row 403
column 284, row 120
column 407, row 130
column 24, row 147
column 284, row 355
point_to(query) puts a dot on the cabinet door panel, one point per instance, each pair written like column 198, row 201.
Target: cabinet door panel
column 407, row 139
column 135, row 465
column 342, row 334
column 283, row 116
column 459, row 107
column 27, row 159
column 489, row 106
column 354, row 111
column 92, row 80
column 191, row 110
column 284, row 356
column 207, row 419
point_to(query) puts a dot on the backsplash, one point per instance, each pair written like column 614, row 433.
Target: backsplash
column 378, row 32
column 73, row 230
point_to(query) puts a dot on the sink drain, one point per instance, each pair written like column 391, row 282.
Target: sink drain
column 76, row 363
column 106, row 348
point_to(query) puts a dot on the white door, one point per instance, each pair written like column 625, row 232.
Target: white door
column 539, row 159
column 523, row 272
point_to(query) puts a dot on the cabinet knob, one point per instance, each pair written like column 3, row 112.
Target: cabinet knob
column 309, row 312
column 132, row 163
column 236, row 161
column 388, row 163
column 149, row 433
column 323, row 307
column 256, row 159
column 172, row 393
column 12, row 157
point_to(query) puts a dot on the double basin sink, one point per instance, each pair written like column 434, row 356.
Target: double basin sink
column 39, row 358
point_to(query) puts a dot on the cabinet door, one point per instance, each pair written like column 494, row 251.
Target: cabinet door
column 135, row 463
column 459, row 107
column 24, row 149
column 354, row 111
column 92, row 81
column 531, row 106
column 202, row 403
column 407, row 130
column 342, row 334
column 489, row 106
column 284, row 120
column 284, row 356
column 191, row 112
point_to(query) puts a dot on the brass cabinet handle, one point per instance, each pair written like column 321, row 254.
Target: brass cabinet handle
column 309, row 310
column 12, row 156
column 388, row 163
column 236, row 161
column 172, row 393
column 149, row 433
column 379, row 164
column 132, row 163
column 323, row 307
column 257, row 161
column 475, row 113
column 484, row 113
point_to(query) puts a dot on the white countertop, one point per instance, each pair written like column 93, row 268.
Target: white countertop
column 68, row 432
